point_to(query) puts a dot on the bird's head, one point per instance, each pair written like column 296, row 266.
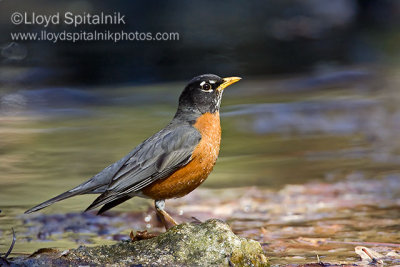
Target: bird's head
column 203, row 93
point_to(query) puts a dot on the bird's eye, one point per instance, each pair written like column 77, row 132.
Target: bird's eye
column 206, row 87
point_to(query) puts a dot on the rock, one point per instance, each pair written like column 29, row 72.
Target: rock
column 188, row 244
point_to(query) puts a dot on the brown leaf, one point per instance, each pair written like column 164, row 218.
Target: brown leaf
column 141, row 235
column 45, row 251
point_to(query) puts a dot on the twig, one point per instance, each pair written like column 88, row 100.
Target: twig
column 320, row 263
column 12, row 245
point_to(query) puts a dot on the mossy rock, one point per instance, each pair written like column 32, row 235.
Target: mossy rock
column 209, row 243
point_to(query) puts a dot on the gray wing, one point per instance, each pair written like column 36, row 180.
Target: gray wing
column 157, row 158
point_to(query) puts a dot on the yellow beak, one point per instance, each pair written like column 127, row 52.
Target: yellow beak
column 228, row 81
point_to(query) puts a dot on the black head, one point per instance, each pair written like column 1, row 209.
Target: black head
column 203, row 93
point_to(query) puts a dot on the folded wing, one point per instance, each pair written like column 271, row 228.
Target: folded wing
column 157, row 158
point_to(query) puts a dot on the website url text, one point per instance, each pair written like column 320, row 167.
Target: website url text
column 89, row 36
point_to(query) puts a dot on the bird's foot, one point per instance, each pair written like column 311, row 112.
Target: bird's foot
column 165, row 218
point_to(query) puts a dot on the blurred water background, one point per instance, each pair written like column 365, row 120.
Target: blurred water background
column 319, row 99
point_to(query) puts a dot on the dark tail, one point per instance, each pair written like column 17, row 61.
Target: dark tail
column 92, row 186
column 112, row 204
column 106, row 197
column 53, row 200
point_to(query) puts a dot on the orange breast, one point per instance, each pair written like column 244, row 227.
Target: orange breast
column 186, row 179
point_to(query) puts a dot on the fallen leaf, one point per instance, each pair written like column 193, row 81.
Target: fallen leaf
column 141, row 235
column 46, row 251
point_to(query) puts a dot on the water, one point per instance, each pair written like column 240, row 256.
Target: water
column 276, row 131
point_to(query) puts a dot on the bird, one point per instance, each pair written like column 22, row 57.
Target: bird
column 169, row 164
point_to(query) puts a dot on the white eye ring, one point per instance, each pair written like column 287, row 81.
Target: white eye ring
column 206, row 90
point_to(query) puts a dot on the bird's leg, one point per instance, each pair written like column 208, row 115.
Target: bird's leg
column 166, row 219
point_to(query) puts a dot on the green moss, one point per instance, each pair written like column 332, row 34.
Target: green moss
column 204, row 244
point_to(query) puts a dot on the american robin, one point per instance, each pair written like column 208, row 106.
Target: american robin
column 169, row 164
